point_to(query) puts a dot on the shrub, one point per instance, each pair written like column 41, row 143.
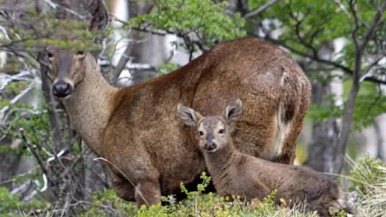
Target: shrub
column 11, row 205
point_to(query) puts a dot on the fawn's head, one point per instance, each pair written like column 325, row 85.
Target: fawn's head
column 213, row 131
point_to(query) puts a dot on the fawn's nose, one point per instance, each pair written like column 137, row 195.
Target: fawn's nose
column 210, row 146
column 61, row 89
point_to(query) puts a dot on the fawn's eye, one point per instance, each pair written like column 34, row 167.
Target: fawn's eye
column 221, row 131
column 201, row 133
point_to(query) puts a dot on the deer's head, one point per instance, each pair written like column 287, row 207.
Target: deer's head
column 67, row 70
column 213, row 131
column 68, row 65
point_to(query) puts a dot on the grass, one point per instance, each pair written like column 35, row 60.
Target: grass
column 367, row 196
column 368, row 183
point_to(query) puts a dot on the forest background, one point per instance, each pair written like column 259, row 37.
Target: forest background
column 45, row 168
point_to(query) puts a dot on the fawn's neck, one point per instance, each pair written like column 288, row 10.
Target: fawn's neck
column 219, row 162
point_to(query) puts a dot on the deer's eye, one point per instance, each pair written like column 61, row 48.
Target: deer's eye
column 201, row 133
column 221, row 131
column 50, row 55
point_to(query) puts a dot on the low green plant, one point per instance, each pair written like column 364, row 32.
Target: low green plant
column 11, row 204
column 197, row 203
column 366, row 174
column 208, row 205
column 107, row 203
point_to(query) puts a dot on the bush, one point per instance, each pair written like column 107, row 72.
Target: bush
column 11, row 205
column 106, row 203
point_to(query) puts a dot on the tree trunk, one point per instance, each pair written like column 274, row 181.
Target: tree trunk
column 325, row 134
column 380, row 129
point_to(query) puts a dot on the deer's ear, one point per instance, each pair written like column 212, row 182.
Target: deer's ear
column 100, row 17
column 233, row 111
column 188, row 115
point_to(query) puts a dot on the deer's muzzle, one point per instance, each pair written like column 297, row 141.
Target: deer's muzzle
column 62, row 89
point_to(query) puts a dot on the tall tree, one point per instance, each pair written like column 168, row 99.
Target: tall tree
column 303, row 32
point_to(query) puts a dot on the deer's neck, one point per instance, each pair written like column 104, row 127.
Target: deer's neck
column 219, row 162
column 90, row 107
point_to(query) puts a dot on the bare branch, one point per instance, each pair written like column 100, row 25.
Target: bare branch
column 261, row 9
column 38, row 159
column 312, row 57
column 121, row 63
column 374, row 24
column 354, row 12
column 345, row 69
column 368, row 71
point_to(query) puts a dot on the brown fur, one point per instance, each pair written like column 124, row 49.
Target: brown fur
column 135, row 130
column 235, row 173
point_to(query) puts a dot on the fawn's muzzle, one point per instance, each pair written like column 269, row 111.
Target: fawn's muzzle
column 210, row 146
column 61, row 89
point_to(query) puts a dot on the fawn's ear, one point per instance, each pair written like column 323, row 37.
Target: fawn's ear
column 233, row 111
column 188, row 115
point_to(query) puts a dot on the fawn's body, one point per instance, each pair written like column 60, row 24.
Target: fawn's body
column 235, row 173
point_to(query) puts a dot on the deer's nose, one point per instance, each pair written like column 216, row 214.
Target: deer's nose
column 61, row 89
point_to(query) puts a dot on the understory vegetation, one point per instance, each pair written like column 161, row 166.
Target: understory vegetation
column 366, row 194
column 337, row 43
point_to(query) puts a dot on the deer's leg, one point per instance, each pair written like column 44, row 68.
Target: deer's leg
column 122, row 187
column 148, row 192
column 292, row 109
column 289, row 142
column 289, row 147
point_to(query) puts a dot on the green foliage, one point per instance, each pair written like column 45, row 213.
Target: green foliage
column 197, row 204
column 340, row 213
column 302, row 22
column 325, row 111
column 166, row 68
column 49, row 31
column 307, row 23
column 369, row 104
column 14, row 88
column 204, row 18
column 12, row 206
column 106, row 203
column 34, row 123
column 365, row 174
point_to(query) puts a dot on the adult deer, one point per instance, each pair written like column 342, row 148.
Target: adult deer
column 137, row 131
